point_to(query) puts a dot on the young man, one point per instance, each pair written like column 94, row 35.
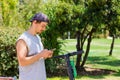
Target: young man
column 30, row 51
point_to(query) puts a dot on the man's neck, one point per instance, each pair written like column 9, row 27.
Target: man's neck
column 31, row 30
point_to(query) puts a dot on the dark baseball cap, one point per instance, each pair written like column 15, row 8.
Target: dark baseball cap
column 40, row 17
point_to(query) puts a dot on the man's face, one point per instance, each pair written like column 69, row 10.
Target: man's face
column 41, row 27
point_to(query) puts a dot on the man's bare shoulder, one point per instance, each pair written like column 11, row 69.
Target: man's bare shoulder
column 20, row 42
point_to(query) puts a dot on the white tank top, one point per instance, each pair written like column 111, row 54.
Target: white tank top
column 35, row 71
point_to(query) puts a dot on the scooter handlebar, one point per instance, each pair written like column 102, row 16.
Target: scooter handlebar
column 69, row 54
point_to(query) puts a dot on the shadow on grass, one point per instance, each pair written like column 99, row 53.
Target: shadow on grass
column 103, row 77
column 96, row 73
column 90, row 73
column 92, row 77
column 117, row 74
column 104, row 60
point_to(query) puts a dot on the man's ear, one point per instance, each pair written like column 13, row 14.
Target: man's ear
column 35, row 21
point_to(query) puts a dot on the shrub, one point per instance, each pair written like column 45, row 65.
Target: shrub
column 50, row 41
column 8, row 60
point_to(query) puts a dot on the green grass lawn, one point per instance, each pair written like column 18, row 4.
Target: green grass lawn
column 98, row 58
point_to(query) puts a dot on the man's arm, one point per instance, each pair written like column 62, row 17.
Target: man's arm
column 22, row 52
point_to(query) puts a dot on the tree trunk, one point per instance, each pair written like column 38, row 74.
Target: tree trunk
column 88, row 48
column 78, row 49
column 112, row 45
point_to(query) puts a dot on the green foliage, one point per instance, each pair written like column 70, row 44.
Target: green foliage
column 8, row 60
column 64, row 17
column 76, row 2
column 27, row 9
column 9, row 8
column 60, row 13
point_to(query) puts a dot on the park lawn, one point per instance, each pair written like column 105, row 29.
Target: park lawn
column 97, row 58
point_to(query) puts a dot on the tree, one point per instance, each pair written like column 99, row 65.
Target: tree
column 89, row 24
column 95, row 15
column 111, row 20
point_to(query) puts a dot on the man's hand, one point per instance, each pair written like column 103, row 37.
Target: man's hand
column 47, row 53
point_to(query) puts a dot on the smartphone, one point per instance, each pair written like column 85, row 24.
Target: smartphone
column 53, row 49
